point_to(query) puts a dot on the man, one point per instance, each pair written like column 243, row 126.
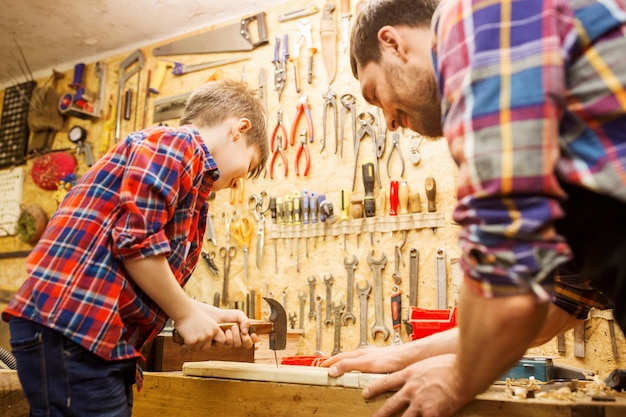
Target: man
column 530, row 96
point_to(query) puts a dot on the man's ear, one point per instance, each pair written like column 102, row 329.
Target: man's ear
column 391, row 41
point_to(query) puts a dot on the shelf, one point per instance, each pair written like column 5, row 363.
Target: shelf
column 356, row 226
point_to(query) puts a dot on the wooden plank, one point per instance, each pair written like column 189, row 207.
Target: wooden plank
column 12, row 400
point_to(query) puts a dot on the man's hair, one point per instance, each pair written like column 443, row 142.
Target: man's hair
column 216, row 101
column 378, row 13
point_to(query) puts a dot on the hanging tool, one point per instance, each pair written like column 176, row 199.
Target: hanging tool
column 363, row 293
column 108, row 126
column 396, row 312
column 330, row 104
column 328, row 38
column 366, row 120
column 260, row 206
column 227, row 254
column 182, row 69
column 78, row 135
column 397, row 277
column 414, row 155
column 279, row 143
column 350, row 266
column 348, row 101
column 263, row 92
column 242, row 231
column 394, row 199
column 307, row 155
column 209, row 259
column 237, row 192
column 395, row 146
column 329, row 292
column 297, row 14
column 377, row 266
column 345, row 24
column 413, row 278
column 403, row 197
column 431, row 193
column 209, row 232
column 280, row 64
column 305, row 31
column 369, row 202
column 232, row 38
column 442, row 281
column 159, row 75
column 337, row 311
column 381, row 137
column 302, row 107
column 135, row 62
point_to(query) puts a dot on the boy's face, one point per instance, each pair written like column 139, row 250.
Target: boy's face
column 234, row 162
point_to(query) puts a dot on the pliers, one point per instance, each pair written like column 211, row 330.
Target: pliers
column 395, row 145
column 330, row 103
column 303, row 147
column 280, row 64
column 302, row 107
column 277, row 144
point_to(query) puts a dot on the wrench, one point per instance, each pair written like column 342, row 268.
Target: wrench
column 311, row 297
column 337, row 312
column 413, row 277
column 302, row 298
column 442, row 302
column 363, row 294
column 318, row 327
column 329, row 282
column 350, row 267
column 377, row 266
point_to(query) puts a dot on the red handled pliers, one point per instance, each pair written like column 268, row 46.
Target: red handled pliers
column 302, row 107
column 307, row 156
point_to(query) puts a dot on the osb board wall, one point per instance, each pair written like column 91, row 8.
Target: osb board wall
column 286, row 276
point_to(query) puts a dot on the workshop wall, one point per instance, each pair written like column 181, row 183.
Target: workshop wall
column 294, row 255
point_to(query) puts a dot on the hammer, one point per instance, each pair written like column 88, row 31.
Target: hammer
column 275, row 326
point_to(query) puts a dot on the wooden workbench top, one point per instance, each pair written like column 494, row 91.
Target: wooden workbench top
column 173, row 394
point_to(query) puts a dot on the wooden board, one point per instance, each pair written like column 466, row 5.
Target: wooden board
column 293, row 374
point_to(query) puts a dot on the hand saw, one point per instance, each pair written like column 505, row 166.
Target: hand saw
column 232, row 38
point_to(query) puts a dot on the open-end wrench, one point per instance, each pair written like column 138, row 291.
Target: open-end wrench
column 318, row 326
column 329, row 287
column 350, row 267
column 442, row 296
column 363, row 293
column 301, row 298
column 337, row 312
column 311, row 281
column 377, row 266
column 413, row 277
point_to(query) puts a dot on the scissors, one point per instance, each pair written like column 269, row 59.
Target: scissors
column 226, row 254
column 242, row 231
column 259, row 204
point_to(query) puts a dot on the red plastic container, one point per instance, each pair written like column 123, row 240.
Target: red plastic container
column 303, row 360
column 426, row 322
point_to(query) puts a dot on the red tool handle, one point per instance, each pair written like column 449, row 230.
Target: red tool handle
column 394, row 201
column 396, row 309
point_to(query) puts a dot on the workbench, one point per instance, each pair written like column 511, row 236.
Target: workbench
column 172, row 393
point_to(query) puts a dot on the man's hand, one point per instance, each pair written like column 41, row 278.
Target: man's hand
column 429, row 388
column 375, row 360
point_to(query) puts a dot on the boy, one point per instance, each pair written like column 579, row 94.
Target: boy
column 110, row 267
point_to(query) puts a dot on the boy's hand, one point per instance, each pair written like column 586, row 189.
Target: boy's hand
column 236, row 336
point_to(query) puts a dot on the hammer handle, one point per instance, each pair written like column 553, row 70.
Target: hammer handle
column 256, row 326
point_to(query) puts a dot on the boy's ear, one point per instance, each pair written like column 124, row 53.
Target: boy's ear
column 243, row 125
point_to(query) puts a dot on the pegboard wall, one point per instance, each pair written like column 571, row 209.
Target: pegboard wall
column 298, row 261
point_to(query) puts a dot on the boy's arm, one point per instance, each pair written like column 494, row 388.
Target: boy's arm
column 154, row 276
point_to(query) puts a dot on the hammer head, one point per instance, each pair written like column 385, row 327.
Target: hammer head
column 278, row 317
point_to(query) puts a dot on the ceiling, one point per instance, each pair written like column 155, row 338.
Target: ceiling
column 37, row 36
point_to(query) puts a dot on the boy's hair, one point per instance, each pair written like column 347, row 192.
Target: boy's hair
column 376, row 14
column 216, row 101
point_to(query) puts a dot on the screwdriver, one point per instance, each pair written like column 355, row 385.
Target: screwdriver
column 369, row 203
column 344, row 213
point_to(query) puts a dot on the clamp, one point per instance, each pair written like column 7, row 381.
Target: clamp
column 366, row 120
column 348, row 101
column 278, row 147
column 280, row 64
column 307, row 156
column 302, row 107
column 330, row 103
column 395, row 145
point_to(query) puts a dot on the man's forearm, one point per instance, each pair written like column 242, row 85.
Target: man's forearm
column 493, row 335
